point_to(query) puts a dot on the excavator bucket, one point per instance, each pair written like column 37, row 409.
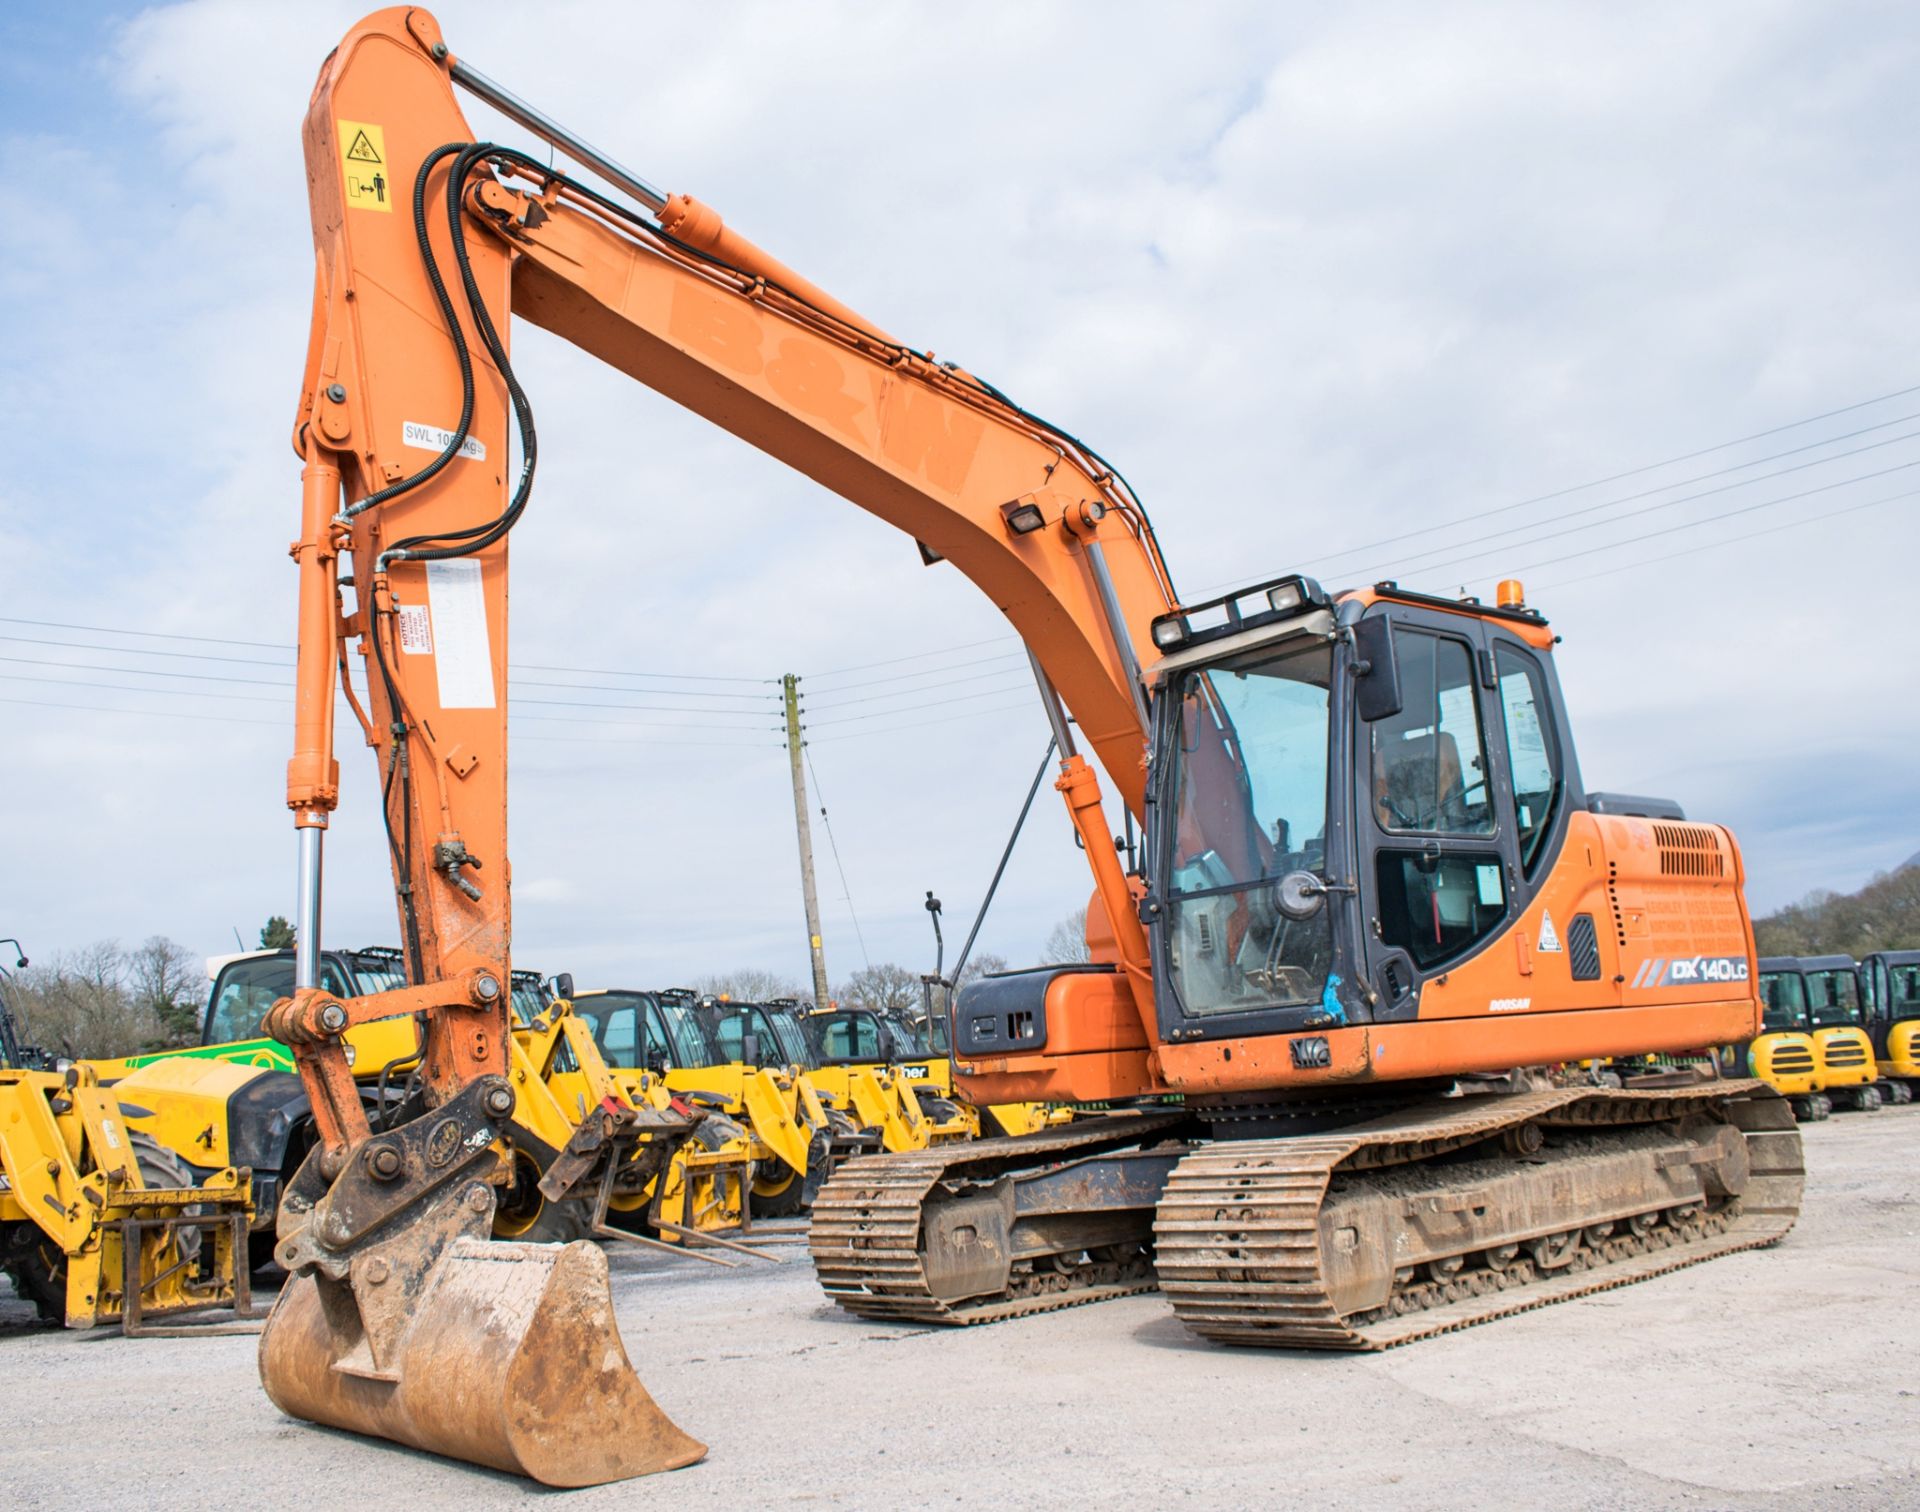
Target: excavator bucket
column 512, row 1359
column 402, row 1319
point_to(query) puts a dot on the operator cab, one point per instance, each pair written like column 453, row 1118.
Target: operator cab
column 757, row 1034
column 1346, row 798
column 1783, row 1002
column 864, row 1037
column 658, row 1032
column 531, row 996
column 245, row 986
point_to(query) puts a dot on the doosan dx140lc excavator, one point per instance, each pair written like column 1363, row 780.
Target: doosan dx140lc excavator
column 1373, row 885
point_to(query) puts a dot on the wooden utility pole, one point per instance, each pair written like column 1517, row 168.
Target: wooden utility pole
column 790, row 686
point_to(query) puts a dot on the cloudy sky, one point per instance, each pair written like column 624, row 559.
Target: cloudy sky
column 1447, row 293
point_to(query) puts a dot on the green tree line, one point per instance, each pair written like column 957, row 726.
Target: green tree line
column 1883, row 915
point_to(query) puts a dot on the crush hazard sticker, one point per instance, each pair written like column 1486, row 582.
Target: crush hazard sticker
column 1690, row 971
column 363, row 166
column 1549, row 942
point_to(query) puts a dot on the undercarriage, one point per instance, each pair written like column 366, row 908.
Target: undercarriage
column 1430, row 1217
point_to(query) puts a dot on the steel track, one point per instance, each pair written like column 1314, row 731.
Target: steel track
column 1237, row 1231
column 1238, row 1244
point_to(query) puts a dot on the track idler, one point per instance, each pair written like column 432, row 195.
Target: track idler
column 403, row 1320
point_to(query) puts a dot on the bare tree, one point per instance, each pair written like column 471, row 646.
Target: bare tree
column 885, row 987
column 164, row 980
column 78, row 1003
column 1067, row 944
column 984, row 964
column 750, row 984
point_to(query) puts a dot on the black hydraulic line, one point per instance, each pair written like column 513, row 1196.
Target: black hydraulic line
column 960, row 961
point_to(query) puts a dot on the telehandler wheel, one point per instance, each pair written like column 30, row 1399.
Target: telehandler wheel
column 630, row 1210
column 38, row 1271
column 788, row 1192
column 160, row 1167
column 524, row 1215
column 940, row 1110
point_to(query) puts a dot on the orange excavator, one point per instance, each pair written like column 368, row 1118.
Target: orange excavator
column 1372, row 885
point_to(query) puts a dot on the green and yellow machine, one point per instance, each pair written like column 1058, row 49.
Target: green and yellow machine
column 234, row 1101
column 98, row 1223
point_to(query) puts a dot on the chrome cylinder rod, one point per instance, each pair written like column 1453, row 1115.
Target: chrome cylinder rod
column 555, row 135
column 306, row 909
column 1117, row 627
column 1056, row 715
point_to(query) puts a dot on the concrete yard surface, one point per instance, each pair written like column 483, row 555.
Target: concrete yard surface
column 1782, row 1378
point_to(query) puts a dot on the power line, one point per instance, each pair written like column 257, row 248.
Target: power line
column 1729, row 514
column 208, row 640
column 938, row 703
column 141, row 713
column 74, row 682
column 912, row 692
column 281, row 646
column 1832, row 514
column 874, row 682
column 846, row 891
column 921, row 724
column 1619, row 477
column 1418, row 564
column 894, row 661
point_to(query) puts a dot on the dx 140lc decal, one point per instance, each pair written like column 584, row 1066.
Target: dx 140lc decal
column 1690, row 971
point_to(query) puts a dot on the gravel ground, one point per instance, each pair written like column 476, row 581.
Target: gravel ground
column 1783, row 1378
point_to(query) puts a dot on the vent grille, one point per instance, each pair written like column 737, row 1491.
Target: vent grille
column 1583, row 949
column 1689, row 850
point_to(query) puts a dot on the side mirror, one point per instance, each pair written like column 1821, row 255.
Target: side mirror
column 1375, row 669
column 563, row 986
column 1300, row 894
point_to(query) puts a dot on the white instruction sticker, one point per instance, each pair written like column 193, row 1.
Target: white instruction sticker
column 432, row 438
column 464, row 661
column 416, row 629
column 1549, row 941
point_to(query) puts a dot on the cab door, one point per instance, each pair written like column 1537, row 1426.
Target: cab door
column 1460, row 800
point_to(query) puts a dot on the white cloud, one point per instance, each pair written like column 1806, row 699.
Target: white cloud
column 1312, row 281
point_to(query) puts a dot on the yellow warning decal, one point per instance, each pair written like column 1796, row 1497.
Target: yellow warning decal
column 363, row 163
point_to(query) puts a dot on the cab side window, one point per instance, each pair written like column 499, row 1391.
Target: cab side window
column 1531, row 756
column 1429, row 760
column 730, row 1035
column 619, row 1037
column 1905, row 988
column 1434, row 907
